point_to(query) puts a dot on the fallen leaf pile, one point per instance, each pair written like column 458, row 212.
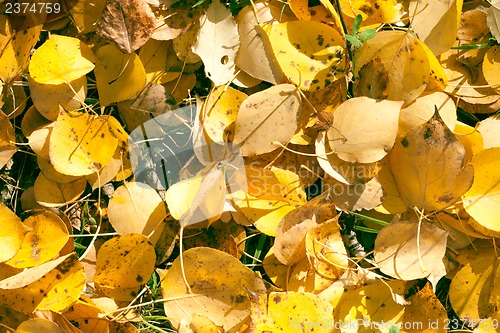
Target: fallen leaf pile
column 147, row 146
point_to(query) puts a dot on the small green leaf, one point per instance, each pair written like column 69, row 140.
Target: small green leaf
column 367, row 34
column 353, row 40
column 357, row 24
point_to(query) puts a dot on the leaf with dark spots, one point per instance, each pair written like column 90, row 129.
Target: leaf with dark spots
column 128, row 23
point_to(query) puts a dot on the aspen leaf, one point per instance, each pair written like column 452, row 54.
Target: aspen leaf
column 80, row 144
column 470, row 138
column 137, row 208
column 489, row 133
column 54, row 285
column 119, row 76
column 46, row 237
column 16, row 42
column 374, row 303
column 278, row 311
column 481, row 200
column 61, row 60
column 32, row 120
column 290, row 245
column 373, row 11
column 474, row 290
column 203, row 197
column 224, row 236
column 423, row 108
column 391, row 202
column 436, row 22
column 402, row 59
column 342, row 171
column 254, row 56
column 39, row 140
column 14, row 101
column 491, row 67
column 7, row 140
column 220, row 111
column 428, row 166
column 51, row 194
column 310, row 54
column 85, row 14
column 183, row 43
column 494, row 19
column 267, row 209
column 326, row 251
column 38, row 325
column 408, row 251
column 354, row 197
column 217, row 43
column 12, row 232
column 127, row 23
column 48, row 97
column 267, row 116
column 51, row 173
column 125, row 261
column 424, row 308
column 220, row 282
column 364, row 129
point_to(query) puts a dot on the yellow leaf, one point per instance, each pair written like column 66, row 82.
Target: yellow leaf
column 81, row 11
column 310, row 54
column 410, row 250
column 364, row 129
column 360, row 309
column 267, row 210
column 342, row 171
column 326, row 251
column 125, row 262
column 428, row 166
column 119, row 76
column 217, row 43
column 424, row 310
column 54, row 285
column 290, row 245
column 253, row 56
column 16, row 42
column 401, row 58
column 423, row 108
column 137, row 208
column 474, row 290
column 51, row 194
column 489, row 131
column 7, row 140
column 373, row 11
column 81, row 144
column 43, row 242
column 219, row 113
column 491, row 67
column 481, row 201
column 52, row 174
column 61, row 60
column 48, row 97
column 36, row 325
column 436, row 22
column 12, row 232
column 280, row 312
column 219, row 286
column 266, row 117
column 392, row 202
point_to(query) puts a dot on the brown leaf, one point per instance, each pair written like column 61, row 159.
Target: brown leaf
column 128, row 23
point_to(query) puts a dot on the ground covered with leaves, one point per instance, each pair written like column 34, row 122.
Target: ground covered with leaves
column 249, row 166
